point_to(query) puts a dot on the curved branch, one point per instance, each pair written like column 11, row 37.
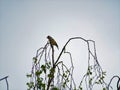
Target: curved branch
column 118, row 87
column 6, row 81
column 66, row 45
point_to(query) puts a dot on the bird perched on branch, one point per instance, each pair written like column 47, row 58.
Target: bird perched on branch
column 52, row 41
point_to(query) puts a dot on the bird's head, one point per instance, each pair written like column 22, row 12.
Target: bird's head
column 48, row 37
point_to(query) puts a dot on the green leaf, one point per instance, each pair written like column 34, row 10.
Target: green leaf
column 29, row 75
column 47, row 65
column 64, row 84
column 50, row 75
column 67, row 80
column 102, row 77
column 80, row 88
column 74, row 89
column 34, row 59
column 55, row 88
column 67, row 71
column 90, row 73
column 104, row 88
column 90, row 81
column 43, row 86
column 52, row 70
column 30, row 85
column 87, row 73
column 97, row 82
column 38, row 72
column 104, row 73
column 43, row 67
column 40, row 84
column 100, row 81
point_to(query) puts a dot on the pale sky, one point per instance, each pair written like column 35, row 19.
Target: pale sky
column 25, row 24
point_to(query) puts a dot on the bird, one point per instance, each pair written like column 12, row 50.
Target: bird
column 52, row 41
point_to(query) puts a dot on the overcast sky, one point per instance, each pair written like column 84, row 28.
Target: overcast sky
column 24, row 25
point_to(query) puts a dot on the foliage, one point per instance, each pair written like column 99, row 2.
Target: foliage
column 50, row 74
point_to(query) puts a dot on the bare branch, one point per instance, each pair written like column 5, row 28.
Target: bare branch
column 6, row 81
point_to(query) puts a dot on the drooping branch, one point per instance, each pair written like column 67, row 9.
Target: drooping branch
column 46, row 70
column 6, row 81
column 66, row 45
column 118, row 82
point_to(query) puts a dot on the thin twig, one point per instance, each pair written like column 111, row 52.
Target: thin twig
column 6, row 81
